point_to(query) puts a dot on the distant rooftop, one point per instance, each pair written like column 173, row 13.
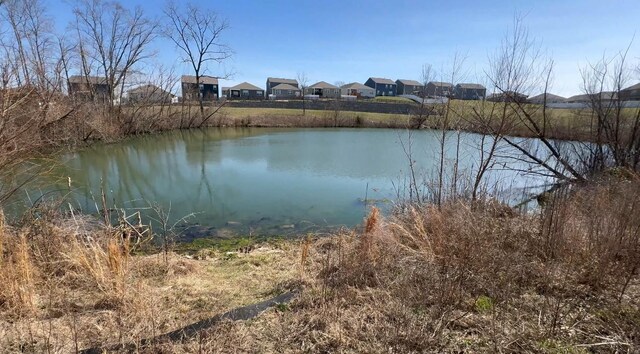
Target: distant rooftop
column 323, row 85
column 207, row 80
column 81, row 79
column 410, row 82
column 550, row 97
column 381, row 80
column 245, row 86
column 148, row 89
column 355, row 86
column 471, row 86
column 280, row 80
column 285, row 87
column 441, row 84
column 633, row 87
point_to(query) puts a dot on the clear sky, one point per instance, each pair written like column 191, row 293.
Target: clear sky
column 349, row 40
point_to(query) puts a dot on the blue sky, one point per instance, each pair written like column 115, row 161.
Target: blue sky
column 349, row 40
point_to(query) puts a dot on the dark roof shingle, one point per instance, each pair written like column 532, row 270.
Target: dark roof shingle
column 409, row 82
column 204, row 79
column 245, row 86
column 381, row 80
column 279, row 80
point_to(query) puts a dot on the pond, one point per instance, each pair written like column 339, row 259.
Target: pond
column 263, row 181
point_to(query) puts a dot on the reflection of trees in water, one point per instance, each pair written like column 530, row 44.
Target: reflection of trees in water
column 175, row 167
column 220, row 172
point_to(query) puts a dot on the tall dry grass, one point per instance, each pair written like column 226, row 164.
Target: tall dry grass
column 477, row 276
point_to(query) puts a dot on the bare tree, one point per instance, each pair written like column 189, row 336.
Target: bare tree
column 615, row 128
column 445, row 122
column 30, row 90
column 112, row 40
column 425, row 110
column 303, row 82
column 518, row 68
column 198, row 35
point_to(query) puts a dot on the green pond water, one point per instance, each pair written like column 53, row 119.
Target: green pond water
column 261, row 181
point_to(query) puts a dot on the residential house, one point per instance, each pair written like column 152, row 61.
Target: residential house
column 285, row 91
column 631, row 93
column 207, row 88
column 224, row 91
column 588, row 98
column 507, row 96
column 245, row 91
column 323, row 90
column 275, row 81
column 410, row 87
column 546, row 97
column 579, row 99
column 357, row 89
column 149, row 94
column 439, row 89
column 469, row 91
column 89, row 88
column 382, row 87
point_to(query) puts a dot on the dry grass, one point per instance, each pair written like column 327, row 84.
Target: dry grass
column 472, row 277
column 71, row 284
column 466, row 278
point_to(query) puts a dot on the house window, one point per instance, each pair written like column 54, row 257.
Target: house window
column 259, row 93
column 245, row 92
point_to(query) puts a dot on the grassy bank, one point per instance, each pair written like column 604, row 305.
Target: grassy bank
column 469, row 276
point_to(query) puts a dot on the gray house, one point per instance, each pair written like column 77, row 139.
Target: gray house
column 548, row 97
column 410, row 87
column 245, row 91
column 359, row 90
column 470, row 92
column 631, row 93
column 89, row 88
column 383, row 87
column 275, row 81
column 323, row 90
column 439, row 89
column 207, row 89
column 285, row 91
column 149, row 94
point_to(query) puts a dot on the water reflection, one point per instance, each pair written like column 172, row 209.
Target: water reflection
column 265, row 180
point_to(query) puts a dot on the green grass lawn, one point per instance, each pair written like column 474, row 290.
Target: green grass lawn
column 240, row 113
column 392, row 99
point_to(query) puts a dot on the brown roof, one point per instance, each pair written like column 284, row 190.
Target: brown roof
column 285, row 87
column 550, row 97
column 356, row 85
column 380, row 80
column 471, row 86
column 245, row 86
column 204, row 79
column 279, row 80
column 148, row 89
column 632, row 88
column 410, row 82
column 441, row 84
column 605, row 95
column 81, row 79
column 323, row 85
